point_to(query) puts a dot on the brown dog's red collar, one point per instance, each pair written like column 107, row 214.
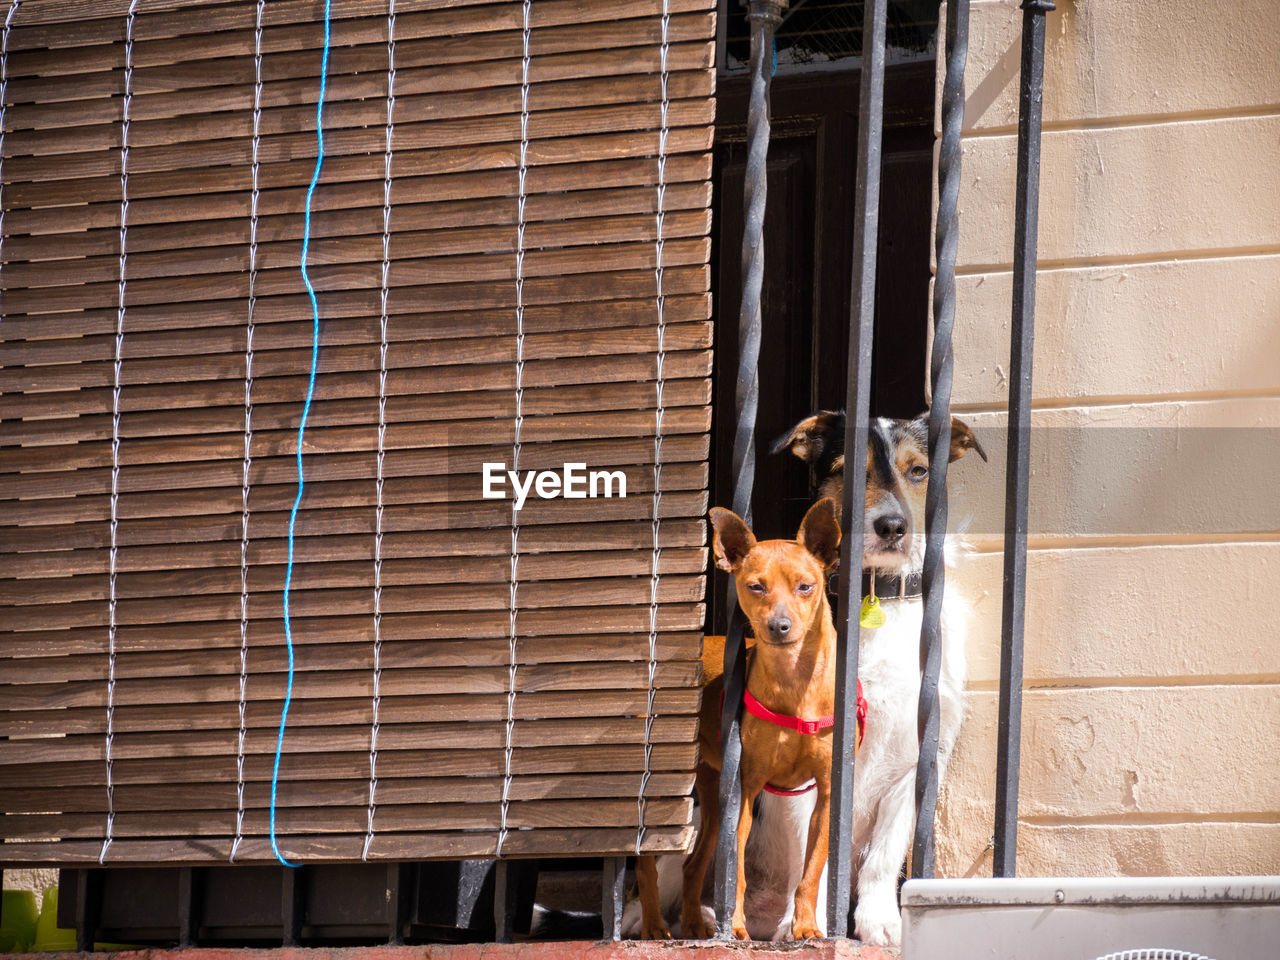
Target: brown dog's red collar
column 758, row 709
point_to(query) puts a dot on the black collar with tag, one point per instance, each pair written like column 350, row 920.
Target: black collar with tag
column 888, row 586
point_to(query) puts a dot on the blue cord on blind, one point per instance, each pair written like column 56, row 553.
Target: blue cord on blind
column 302, row 424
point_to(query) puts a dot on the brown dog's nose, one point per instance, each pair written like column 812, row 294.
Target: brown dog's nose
column 779, row 625
column 891, row 528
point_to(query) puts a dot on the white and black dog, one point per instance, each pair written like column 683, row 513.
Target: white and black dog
column 889, row 655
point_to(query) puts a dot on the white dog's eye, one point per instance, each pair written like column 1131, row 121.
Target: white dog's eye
column 918, row 472
column 804, row 589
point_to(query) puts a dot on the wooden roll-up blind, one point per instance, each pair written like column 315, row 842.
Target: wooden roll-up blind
column 498, row 186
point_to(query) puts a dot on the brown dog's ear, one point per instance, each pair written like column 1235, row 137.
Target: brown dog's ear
column 731, row 541
column 820, row 532
column 962, row 439
column 808, row 438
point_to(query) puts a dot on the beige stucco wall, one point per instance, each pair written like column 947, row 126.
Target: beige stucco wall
column 1151, row 726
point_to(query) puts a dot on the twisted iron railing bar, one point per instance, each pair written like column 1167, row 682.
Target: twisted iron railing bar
column 764, row 16
column 933, row 577
column 1018, row 465
column 853, row 509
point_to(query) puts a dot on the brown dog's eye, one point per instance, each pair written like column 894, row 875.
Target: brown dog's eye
column 918, row 472
column 756, row 587
column 804, row 589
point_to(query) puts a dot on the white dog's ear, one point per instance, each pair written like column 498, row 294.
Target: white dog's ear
column 820, row 532
column 962, row 437
column 812, row 435
column 732, row 540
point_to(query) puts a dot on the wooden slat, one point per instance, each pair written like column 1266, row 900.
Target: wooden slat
column 160, row 661
column 426, row 121
column 151, row 328
column 211, row 417
column 335, row 277
column 173, row 178
column 340, row 849
column 227, row 219
column 461, row 490
column 443, row 680
column 161, row 93
column 480, row 764
column 603, row 440
column 223, row 718
column 328, row 793
column 349, row 574
column 263, row 604
column 565, row 193
column 530, row 814
column 438, row 459
column 465, row 521
column 438, row 626
column 415, row 249
column 72, row 23
column 489, row 95
column 474, row 369
column 180, row 66
column 418, row 545
column 555, row 136
column 391, row 737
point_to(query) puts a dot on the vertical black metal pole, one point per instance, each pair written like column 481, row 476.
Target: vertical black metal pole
column 293, row 904
column 505, row 897
column 190, row 896
column 764, row 16
column 866, row 232
column 1018, row 465
column 933, row 581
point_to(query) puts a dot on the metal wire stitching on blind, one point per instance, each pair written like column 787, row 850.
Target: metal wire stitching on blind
column 4, row 99
column 113, row 553
column 247, row 461
column 514, row 578
column 655, row 578
column 375, row 725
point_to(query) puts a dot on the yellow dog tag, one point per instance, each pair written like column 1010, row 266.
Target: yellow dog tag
column 872, row 616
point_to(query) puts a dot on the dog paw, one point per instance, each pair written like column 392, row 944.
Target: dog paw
column 805, row 931
column 655, row 931
column 699, row 926
column 878, row 924
column 631, row 920
column 740, row 931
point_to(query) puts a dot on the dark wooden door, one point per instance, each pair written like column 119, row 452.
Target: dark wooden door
column 809, row 223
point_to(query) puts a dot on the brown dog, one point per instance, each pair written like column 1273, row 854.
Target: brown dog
column 786, row 726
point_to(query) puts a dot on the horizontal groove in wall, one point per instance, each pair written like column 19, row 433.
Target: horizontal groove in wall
column 1085, row 124
column 1066, row 684
column 1126, row 260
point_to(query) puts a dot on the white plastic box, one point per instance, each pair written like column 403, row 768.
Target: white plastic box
column 1224, row 918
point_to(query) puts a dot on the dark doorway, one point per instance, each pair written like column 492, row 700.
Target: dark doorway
column 808, row 250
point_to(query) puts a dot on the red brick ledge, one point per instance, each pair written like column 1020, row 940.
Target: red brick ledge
column 544, row 950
